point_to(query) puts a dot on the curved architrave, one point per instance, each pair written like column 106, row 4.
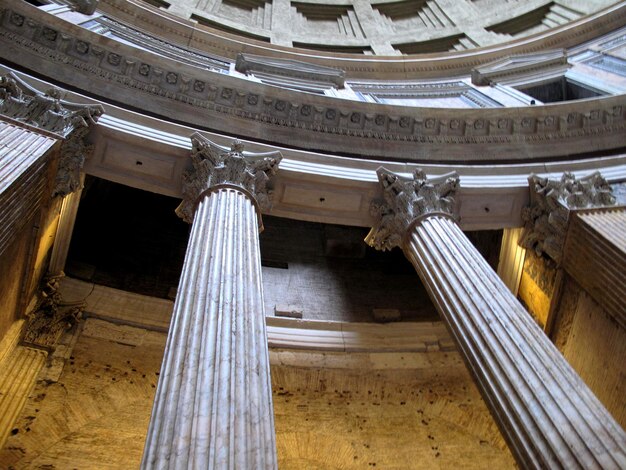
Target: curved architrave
column 181, row 31
column 151, row 154
column 248, row 109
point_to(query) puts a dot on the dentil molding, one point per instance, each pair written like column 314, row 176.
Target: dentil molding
column 229, row 104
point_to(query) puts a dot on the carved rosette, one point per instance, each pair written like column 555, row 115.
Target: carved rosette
column 550, row 204
column 214, row 166
column 47, row 111
column 404, row 201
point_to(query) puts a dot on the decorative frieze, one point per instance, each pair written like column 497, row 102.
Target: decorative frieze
column 75, row 53
column 214, row 166
column 405, row 201
column 550, row 204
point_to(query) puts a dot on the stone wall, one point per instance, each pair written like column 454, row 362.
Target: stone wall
column 332, row 410
column 537, row 286
column 595, row 345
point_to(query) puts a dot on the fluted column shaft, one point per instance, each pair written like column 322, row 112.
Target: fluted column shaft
column 545, row 411
column 213, row 406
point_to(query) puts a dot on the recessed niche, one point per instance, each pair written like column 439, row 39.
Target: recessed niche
column 219, row 26
column 539, row 19
column 326, row 19
column 559, row 90
column 413, row 14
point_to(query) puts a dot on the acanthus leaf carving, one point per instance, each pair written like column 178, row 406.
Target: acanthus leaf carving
column 52, row 316
column 47, row 111
column 74, row 152
column 214, row 166
column 404, row 201
column 551, row 201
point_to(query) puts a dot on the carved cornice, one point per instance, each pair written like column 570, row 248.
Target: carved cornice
column 574, row 33
column 103, row 66
column 406, row 201
column 551, row 201
column 214, row 166
column 248, row 63
column 161, row 47
column 521, row 65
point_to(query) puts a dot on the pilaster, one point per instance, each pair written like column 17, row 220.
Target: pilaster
column 34, row 128
column 65, row 227
column 511, row 262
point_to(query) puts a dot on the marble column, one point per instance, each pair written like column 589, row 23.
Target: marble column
column 546, row 413
column 213, row 406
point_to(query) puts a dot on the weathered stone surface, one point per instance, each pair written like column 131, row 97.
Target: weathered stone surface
column 215, row 166
column 18, row 372
column 96, row 414
column 361, row 411
column 407, row 200
column 541, row 405
column 594, row 345
column 550, row 204
column 213, row 406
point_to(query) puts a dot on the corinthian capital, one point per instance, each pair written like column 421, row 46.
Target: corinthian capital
column 404, row 201
column 46, row 111
column 71, row 122
column 550, row 204
column 214, row 166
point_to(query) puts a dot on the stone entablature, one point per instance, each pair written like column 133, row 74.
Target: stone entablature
column 178, row 30
column 155, row 154
column 121, row 72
